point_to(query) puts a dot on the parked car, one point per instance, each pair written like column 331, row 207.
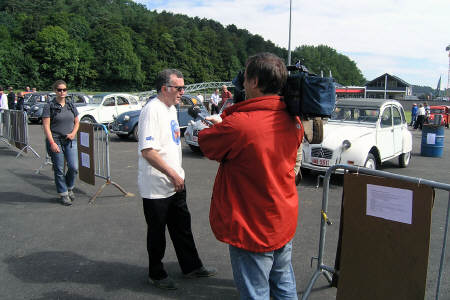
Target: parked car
column 361, row 132
column 34, row 105
column 78, row 99
column 126, row 124
column 194, row 126
column 439, row 114
column 102, row 108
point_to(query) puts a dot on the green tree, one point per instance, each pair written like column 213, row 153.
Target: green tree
column 117, row 62
column 57, row 53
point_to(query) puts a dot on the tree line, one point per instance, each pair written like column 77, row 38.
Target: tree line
column 120, row 45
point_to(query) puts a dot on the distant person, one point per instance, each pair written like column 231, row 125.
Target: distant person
column 254, row 203
column 215, row 98
column 27, row 89
column 3, row 99
column 413, row 114
column 226, row 94
column 427, row 112
column 11, row 98
column 33, row 90
column 60, row 121
column 162, row 185
column 20, row 100
column 420, row 117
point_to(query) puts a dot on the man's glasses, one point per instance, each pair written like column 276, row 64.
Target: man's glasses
column 179, row 88
column 61, row 90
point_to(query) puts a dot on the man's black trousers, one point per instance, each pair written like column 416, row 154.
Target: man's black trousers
column 174, row 213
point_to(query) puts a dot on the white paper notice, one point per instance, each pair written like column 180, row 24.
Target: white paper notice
column 84, row 139
column 85, row 160
column 389, row 203
column 431, row 138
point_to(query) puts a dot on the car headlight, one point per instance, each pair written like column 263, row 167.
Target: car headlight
column 35, row 108
column 346, row 144
column 126, row 118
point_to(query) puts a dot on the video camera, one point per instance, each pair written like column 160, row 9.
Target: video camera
column 306, row 95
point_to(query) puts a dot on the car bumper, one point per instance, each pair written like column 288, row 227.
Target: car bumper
column 117, row 128
column 316, row 168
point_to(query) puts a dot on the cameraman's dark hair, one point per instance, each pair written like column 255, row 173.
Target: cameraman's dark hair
column 270, row 71
column 57, row 83
column 163, row 77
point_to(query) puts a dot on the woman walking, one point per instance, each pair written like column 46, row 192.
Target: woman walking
column 60, row 121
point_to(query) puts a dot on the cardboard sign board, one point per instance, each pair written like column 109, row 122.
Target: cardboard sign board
column 85, row 141
column 385, row 239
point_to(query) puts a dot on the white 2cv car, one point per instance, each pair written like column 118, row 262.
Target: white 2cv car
column 361, row 132
column 102, row 108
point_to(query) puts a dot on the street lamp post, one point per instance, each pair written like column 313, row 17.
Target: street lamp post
column 289, row 45
column 448, row 76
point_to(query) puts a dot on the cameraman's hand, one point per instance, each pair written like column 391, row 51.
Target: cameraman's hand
column 216, row 119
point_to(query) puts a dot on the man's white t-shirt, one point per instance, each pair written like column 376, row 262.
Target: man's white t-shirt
column 215, row 98
column 159, row 130
column 3, row 102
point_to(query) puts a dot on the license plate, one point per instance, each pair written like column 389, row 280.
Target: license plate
column 321, row 161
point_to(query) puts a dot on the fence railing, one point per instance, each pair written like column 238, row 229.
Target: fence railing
column 14, row 130
column 326, row 270
column 102, row 157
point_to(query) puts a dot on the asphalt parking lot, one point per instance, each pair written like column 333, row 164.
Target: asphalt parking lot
column 49, row 251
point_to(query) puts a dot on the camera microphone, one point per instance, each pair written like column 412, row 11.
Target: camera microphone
column 195, row 112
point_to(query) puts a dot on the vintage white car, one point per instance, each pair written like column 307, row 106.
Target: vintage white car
column 102, row 108
column 361, row 132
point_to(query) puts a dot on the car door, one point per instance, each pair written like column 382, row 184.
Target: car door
column 399, row 126
column 385, row 134
column 107, row 110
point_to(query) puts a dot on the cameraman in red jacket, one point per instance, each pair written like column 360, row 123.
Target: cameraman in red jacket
column 254, row 205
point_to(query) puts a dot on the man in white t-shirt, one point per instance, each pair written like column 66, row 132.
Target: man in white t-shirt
column 161, row 183
column 215, row 98
column 3, row 99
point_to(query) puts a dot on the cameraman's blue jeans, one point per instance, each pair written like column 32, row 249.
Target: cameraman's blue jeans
column 69, row 151
column 262, row 275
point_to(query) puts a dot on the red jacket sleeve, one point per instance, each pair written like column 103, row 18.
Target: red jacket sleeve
column 221, row 141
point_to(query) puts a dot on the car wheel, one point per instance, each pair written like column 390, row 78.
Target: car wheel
column 371, row 162
column 88, row 119
column 136, row 132
column 403, row 159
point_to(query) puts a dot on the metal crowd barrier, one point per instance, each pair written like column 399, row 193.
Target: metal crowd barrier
column 327, row 270
column 14, row 130
column 101, row 155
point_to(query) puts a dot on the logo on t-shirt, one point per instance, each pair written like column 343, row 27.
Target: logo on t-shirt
column 176, row 135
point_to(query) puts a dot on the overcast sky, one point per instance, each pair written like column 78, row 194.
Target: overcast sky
column 406, row 38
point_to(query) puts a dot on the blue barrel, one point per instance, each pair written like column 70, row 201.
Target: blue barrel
column 432, row 141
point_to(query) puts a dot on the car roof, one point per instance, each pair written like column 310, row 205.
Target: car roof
column 116, row 94
column 365, row 102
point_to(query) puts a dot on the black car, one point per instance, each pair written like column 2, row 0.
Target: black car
column 126, row 124
column 34, row 106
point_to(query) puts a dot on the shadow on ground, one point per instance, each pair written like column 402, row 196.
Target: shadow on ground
column 60, row 267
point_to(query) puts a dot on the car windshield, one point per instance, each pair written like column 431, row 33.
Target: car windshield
column 437, row 110
column 353, row 114
column 96, row 100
